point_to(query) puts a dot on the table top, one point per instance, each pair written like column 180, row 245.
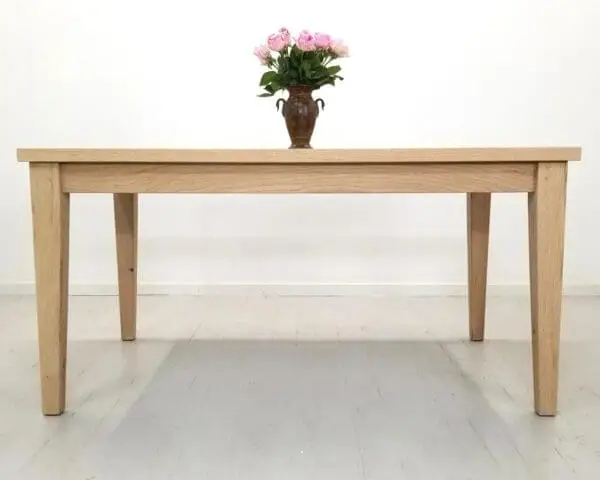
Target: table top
column 282, row 156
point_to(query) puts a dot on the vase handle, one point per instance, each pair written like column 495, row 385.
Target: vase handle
column 282, row 108
column 322, row 105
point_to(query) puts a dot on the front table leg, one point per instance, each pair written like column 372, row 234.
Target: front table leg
column 50, row 209
column 546, row 244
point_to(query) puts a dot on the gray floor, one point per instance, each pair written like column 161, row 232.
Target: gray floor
column 299, row 388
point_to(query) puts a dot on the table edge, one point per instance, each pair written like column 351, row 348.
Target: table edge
column 282, row 156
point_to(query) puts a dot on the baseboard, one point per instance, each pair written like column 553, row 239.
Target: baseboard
column 295, row 289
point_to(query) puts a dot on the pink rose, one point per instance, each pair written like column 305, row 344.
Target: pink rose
column 285, row 34
column 306, row 41
column 278, row 41
column 263, row 54
column 322, row 40
column 339, row 48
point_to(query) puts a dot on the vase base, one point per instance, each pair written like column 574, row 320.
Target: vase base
column 299, row 146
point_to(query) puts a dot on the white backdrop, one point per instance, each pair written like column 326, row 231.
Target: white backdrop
column 140, row 73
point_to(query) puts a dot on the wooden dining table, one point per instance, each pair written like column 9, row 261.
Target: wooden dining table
column 541, row 172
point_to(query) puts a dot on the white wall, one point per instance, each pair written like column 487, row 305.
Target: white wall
column 140, row 73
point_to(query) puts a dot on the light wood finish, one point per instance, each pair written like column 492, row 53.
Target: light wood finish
column 390, row 155
column 295, row 178
column 126, row 227
column 50, row 208
column 478, row 236
column 126, row 173
column 546, row 245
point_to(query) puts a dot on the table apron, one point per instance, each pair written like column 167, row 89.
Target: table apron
column 298, row 178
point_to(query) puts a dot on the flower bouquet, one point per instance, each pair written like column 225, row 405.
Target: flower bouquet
column 300, row 66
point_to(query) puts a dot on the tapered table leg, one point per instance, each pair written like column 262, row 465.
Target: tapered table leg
column 126, row 226
column 50, row 208
column 478, row 237
column 546, row 245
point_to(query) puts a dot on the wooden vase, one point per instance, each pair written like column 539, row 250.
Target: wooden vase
column 300, row 112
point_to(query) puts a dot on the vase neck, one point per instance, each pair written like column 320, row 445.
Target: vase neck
column 300, row 89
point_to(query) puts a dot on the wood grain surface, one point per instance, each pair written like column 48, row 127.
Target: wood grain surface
column 308, row 178
column 406, row 155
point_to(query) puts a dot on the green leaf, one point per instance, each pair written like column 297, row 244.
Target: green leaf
column 266, row 94
column 289, row 75
column 284, row 63
column 305, row 68
column 267, row 77
column 273, row 87
column 319, row 72
column 333, row 69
